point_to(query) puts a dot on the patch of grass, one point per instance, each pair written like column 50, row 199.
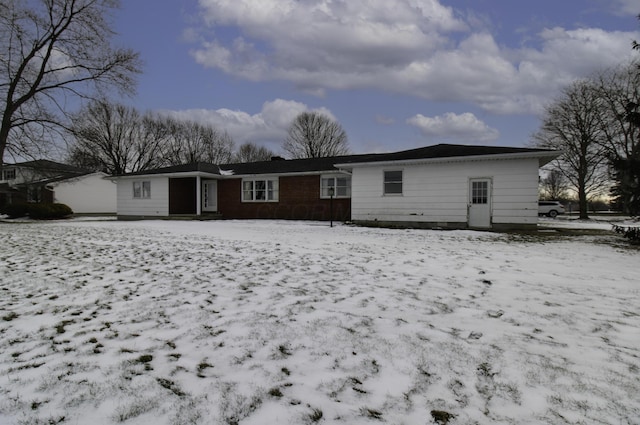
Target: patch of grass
column 9, row 317
column 275, row 392
column 441, row 417
column 283, row 350
column 33, row 365
column 285, row 371
column 171, row 386
column 134, row 409
column 371, row 413
column 202, row 366
column 145, row 358
column 60, row 327
column 484, row 369
column 315, row 415
column 234, row 407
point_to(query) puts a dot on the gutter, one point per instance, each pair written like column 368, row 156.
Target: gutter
column 543, row 158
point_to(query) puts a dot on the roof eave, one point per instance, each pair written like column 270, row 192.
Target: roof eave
column 542, row 156
column 171, row 174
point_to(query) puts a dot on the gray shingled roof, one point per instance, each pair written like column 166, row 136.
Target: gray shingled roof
column 281, row 166
column 45, row 165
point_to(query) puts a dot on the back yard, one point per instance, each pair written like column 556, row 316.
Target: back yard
column 264, row 322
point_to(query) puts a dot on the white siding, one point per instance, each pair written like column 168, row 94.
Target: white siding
column 155, row 206
column 89, row 194
column 439, row 192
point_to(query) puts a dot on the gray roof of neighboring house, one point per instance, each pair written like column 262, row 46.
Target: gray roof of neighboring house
column 50, row 166
column 282, row 166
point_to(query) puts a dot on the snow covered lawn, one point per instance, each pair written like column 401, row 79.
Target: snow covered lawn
column 265, row 322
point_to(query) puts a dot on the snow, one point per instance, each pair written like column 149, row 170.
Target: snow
column 265, row 322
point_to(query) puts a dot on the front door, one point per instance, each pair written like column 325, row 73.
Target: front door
column 480, row 203
column 209, row 195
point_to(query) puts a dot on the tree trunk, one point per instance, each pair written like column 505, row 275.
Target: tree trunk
column 582, row 203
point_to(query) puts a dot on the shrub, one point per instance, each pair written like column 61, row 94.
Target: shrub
column 49, row 211
column 631, row 233
column 15, row 210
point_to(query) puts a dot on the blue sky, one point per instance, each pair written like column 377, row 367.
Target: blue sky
column 397, row 74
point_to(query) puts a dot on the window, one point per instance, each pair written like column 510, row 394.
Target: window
column 142, row 189
column 9, row 174
column 479, row 192
column 393, row 182
column 341, row 186
column 260, row 190
column 34, row 194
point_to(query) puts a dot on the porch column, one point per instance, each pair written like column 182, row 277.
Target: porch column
column 198, row 196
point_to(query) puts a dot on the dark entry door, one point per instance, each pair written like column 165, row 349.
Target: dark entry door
column 182, row 195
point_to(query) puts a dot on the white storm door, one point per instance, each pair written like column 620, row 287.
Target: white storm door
column 209, row 195
column 480, row 203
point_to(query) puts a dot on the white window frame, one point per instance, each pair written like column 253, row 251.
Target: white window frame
column 9, row 174
column 260, row 190
column 341, row 190
column 141, row 189
column 387, row 180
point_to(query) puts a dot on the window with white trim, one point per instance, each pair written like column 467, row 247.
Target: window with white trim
column 341, row 186
column 9, row 174
column 480, row 192
column 393, row 182
column 142, row 189
column 260, row 190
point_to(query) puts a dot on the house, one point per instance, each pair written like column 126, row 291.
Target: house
column 446, row 186
column 92, row 193
column 44, row 181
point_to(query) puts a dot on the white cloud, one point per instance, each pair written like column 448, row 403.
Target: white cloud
column 411, row 47
column 268, row 126
column 626, row 7
column 464, row 127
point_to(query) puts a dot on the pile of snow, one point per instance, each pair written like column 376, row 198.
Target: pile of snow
column 265, row 322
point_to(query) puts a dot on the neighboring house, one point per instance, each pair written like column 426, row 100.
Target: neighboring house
column 91, row 193
column 448, row 186
column 44, row 181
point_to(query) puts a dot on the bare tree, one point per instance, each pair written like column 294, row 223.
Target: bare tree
column 554, row 185
column 54, row 52
column 192, row 142
column 250, row 152
column 116, row 139
column 572, row 124
column 313, row 135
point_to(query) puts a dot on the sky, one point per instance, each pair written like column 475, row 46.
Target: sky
column 396, row 74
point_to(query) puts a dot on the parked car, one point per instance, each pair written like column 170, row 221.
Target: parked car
column 550, row 208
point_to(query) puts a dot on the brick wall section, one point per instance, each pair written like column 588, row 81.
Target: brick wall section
column 299, row 200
